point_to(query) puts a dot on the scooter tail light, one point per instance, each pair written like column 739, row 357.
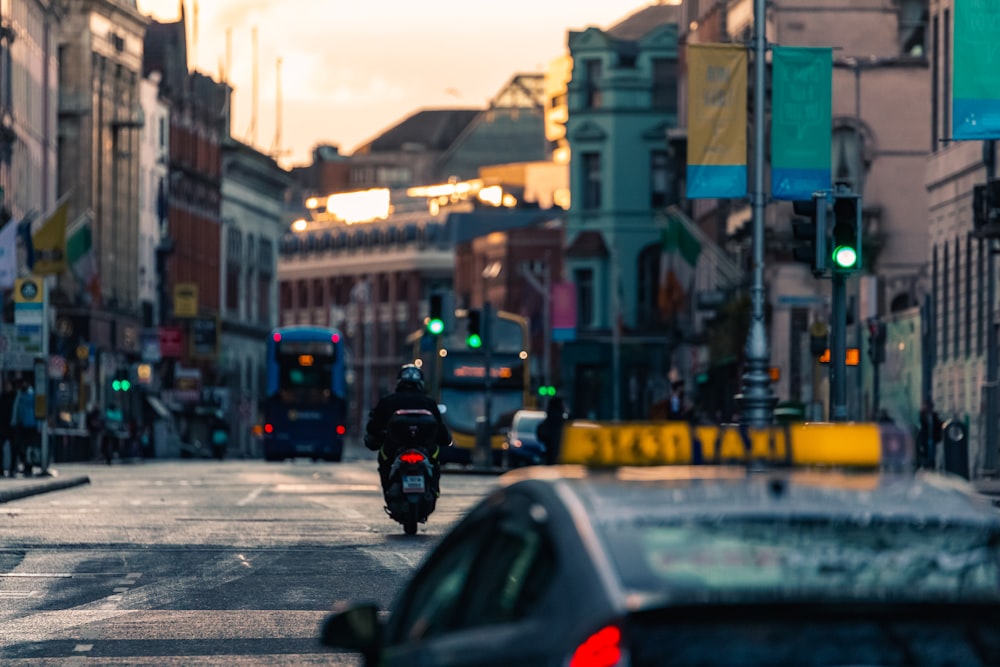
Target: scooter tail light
column 601, row 649
column 412, row 457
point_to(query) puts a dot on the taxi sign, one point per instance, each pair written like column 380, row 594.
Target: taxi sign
column 817, row 444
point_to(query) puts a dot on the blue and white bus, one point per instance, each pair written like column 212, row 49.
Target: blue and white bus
column 305, row 409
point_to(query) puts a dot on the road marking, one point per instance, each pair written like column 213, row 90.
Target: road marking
column 121, row 589
column 251, row 496
column 79, row 648
column 20, row 594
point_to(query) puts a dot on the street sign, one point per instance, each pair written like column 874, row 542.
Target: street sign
column 186, row 300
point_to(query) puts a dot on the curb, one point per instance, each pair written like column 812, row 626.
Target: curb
column 7, row 495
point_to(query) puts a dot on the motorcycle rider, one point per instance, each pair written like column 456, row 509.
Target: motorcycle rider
column 409, row 395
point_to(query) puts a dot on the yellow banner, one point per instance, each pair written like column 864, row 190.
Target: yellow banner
column 717, row 104
column 50, row 243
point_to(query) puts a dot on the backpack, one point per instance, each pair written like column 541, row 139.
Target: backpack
column 26, row 410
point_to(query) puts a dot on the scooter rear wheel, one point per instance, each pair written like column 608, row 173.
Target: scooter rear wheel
column 410, row 520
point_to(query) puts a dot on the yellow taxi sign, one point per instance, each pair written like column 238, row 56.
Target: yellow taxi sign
column 848, row 444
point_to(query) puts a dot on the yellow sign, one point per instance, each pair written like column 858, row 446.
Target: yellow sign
column 186, row 300
column 49, row 243
column 28, row 290
column 853, row 445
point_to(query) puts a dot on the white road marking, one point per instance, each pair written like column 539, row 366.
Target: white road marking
column 252, row 496
column 79, row 648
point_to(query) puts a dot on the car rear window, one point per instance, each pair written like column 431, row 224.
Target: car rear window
column 746, row 557
column 527, row 425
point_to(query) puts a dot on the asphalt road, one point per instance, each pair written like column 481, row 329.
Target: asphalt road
column 202, row 562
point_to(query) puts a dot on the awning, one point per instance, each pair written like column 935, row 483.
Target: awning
column 158, row 407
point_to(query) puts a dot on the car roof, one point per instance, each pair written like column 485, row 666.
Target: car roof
column 695, row 491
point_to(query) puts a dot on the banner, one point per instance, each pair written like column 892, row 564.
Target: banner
column 81, row 255
column 678, row 259
column 717, row 121
column 801, row 121
column 975, row 89
column 49, row 243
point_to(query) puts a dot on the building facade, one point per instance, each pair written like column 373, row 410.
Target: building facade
column 621, row 103
column 253, row 198
column 154, row 160
column 29, row 103
column 880, row 146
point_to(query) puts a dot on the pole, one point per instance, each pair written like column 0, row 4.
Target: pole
column 42, row 383
column 484, row 445
column 990, row 459
column 616, row 340
column 547, row 333
column 756, row 400
column 838, row 349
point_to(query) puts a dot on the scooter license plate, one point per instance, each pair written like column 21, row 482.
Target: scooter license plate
column 413, row 483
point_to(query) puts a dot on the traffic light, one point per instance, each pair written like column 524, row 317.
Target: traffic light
column 435, row 319
column 121, row 384
column 846, row 246
column 809, row 232
column 546, row 390
column 474, row 337
column 876, row 341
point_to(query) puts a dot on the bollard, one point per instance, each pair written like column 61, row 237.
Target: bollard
column 954, row 439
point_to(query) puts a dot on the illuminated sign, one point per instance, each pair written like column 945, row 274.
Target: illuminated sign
column 467, row 371
column 852, row 358
column 306, row 348
column 305, row 360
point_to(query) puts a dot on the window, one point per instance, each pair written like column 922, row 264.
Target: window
column 592, row 77
column 957, row 301
column 913, row 17
column 664, row 97
column 946, row 73
column 430, row 605
column 584, row 281
column 659, row 179
column 968, row 296
column 648, row 284
column 591, row 181
column 936, row 291
column 980, row 297
column 233, row 288
column 848, row 158
column 935, row 83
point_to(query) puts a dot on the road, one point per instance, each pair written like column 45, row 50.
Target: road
column 202, row 562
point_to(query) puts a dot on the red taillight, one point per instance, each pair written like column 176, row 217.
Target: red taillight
column 601, row 649
column 341, row 430
column 412, row 457
column 335, row 338
column 268, row 428
column 277, row 337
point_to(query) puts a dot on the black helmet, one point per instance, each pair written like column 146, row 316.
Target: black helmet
column 410, row 376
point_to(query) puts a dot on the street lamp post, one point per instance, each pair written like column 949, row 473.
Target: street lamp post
column 756, row 400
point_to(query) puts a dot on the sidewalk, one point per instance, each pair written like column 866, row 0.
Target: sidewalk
column 12, row 488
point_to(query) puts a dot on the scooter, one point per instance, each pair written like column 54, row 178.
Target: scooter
column 411, row 495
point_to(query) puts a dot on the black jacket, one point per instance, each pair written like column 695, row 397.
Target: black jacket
column 405, row 399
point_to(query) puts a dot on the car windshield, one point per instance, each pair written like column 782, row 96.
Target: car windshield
column 527, row 425
column 750, row 558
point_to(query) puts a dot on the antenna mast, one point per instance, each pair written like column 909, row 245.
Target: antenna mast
column 253, row 93
column 276, row 151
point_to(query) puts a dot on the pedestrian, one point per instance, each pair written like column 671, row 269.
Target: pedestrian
column 24, row 428
column 549, row 431
column 928, row 436
column 7, row 396
column 677, row 406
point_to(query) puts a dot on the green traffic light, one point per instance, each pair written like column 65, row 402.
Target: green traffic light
column 845, row 256
column 474, row 341
column 546, row 390
column 126, row 385
column 435, row 326
column 116, row 385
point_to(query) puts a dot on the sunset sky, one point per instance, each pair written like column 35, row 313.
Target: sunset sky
column 352, row 69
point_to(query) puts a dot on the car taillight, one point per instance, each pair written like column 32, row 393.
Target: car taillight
column 268, row 428
column 601, row 649
column 341, row 429
column 411, row 457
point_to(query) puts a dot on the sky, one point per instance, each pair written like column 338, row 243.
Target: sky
column 350, row 70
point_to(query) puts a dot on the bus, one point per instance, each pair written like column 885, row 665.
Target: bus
column 305, row 406
column 456, row 377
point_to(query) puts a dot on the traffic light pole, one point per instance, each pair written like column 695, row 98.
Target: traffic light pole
column 484, row 434
column 838, row 348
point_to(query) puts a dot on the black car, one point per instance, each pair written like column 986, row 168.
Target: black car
column 700, row 565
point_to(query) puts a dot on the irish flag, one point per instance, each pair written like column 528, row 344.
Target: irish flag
column 679, row 257
column 81, row 255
